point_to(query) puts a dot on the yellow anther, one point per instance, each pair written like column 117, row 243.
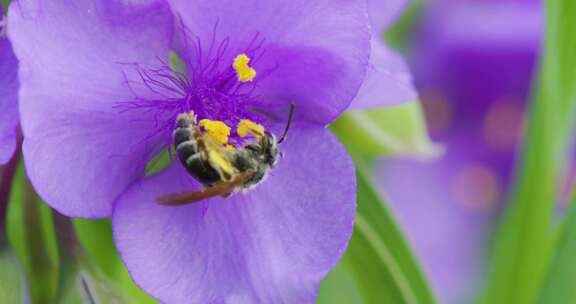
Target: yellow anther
column 246, row 127
column 244, row 72
column 217, row 129
column 229, row 147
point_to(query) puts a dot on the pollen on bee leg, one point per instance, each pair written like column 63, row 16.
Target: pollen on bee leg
column 244, row 72
column 217, row 129
column 246, row 127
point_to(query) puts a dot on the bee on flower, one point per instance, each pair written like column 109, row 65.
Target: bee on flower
column 100, row 98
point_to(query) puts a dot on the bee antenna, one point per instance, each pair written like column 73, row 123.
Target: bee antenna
column 290, row 118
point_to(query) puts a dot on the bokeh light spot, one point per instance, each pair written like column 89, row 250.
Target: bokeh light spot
column 502, row 126
column 477, row 187
column 438, row 111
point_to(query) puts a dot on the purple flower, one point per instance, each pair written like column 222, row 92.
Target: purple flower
column 8, row 96
column 99, row 100
column 474, row 77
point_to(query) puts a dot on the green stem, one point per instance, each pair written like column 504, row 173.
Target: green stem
column 6, row 179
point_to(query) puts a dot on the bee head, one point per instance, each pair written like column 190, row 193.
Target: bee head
column 269, row 146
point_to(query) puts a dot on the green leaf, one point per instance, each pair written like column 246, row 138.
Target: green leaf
column 12, row 285
column 522, row 248
column 31, row 233
column 561, row 277
column 96, row 239
column 81, row 280
column 339, row 287
column 176, row 62
column 5, row 4
column 12, row 278
column 72, row 288
column 378, row 254
column 398, row 34
column 99, row 289
column 160, row 162
column 399, row 130
column 559, row 75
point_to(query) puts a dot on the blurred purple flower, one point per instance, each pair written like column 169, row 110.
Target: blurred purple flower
column 389, row 81
column 8, row 96
column 473, row 64
column 99, row 100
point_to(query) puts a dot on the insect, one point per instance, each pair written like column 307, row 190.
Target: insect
column 222, row 171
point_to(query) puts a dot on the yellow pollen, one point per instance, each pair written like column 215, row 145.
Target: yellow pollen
column 246, row 127
column 217, row 129
column 244, row 72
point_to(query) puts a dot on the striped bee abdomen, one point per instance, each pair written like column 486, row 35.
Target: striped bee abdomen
column 186, row 146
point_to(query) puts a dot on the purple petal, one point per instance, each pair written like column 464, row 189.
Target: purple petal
column 315, row 53
column 273, row 244
column 388, row 82
column 80, row 151
column 384, row 12
column 8, row 100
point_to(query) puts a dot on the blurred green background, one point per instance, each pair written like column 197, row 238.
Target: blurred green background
column 519, row 248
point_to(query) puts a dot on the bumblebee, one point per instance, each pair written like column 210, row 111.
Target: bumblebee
column 204, row 151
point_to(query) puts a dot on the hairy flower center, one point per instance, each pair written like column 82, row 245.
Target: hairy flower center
column 217, row 87
column 221, row 96
column 225, row 88
column 219, row 130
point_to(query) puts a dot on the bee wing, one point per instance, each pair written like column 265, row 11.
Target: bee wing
column 219, row 189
